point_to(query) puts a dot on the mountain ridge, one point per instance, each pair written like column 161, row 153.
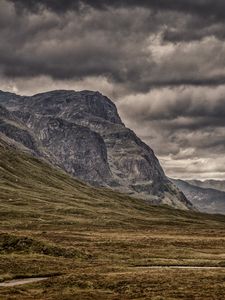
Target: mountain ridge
column 82, row 133
column 205, row 199
column 209, row 183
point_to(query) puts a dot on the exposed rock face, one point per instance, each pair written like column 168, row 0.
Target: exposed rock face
column 12, row 129
column 4, row 113
column 76, row 149
column 204, row 199
column 82, row 133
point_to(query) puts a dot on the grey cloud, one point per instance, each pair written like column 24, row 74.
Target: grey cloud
column 183, row 105
column 183, row 125
column 116, row 43
column 45, row 44
column 213, row 8
column 197, row 19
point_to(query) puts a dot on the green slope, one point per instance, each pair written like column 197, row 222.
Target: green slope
column 96, row 240
column 34, row 193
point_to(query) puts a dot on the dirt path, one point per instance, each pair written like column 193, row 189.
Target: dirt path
column 179, row 267
column 21, row 281
column 15, row 282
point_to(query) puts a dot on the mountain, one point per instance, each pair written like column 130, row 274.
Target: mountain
column 34, row 191
column 204, row 199
column 13, row 130
column 209, row 184
column 83, row 134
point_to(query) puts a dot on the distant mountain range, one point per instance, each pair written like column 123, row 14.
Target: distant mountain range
column 82, row 133
column 207, row 196
column 209, row 184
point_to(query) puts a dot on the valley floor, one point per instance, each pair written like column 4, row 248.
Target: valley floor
column 115, row 265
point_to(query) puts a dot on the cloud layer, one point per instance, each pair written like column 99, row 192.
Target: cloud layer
column 215, row 8
column 187, row 123
column 161, row 60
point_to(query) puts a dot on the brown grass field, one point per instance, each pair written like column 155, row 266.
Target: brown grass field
column 98, row 244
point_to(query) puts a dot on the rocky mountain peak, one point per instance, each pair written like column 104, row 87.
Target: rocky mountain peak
column 82, row 133
column 75, row 105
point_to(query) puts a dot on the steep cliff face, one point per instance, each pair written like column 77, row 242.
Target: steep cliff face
column 76, row 149
column 13, row 130
column 82, row 133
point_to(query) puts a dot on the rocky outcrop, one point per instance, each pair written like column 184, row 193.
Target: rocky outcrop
column 82, row 133
column 76, row 149
column 12, row 129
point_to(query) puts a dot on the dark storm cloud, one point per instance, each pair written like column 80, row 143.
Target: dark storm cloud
column 205, row 111
column 200, row 18
column 192, row 30
column 179, row 108
column 186, row 123
column 114, row 43
column 74, row 46
column 214, row 8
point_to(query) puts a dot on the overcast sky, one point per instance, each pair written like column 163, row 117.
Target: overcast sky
column 161, row 61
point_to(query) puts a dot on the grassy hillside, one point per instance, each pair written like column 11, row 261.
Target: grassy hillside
column 99, row 242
